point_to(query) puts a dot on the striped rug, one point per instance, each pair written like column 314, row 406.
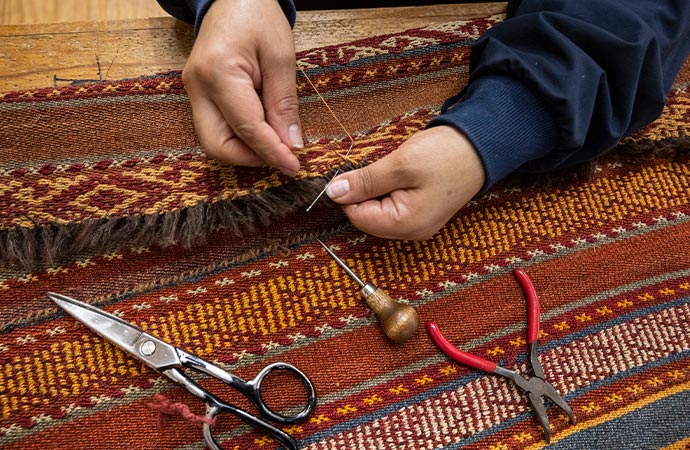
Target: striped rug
column 224, row 263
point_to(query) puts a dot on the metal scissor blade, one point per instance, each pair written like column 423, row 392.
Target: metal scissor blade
column 152, row 351
column 106, row 325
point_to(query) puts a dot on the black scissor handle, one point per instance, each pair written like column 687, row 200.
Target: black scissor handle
column 215, row 406
column 254, row 393
column 252, row 389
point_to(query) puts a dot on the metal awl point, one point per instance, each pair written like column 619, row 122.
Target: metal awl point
column 343, row 265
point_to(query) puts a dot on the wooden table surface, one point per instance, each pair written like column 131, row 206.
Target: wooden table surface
column 56, row 54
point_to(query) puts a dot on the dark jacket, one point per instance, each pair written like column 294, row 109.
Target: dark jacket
column 560, row 81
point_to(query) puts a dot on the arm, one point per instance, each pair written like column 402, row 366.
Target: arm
column 566, row 80
column 558, row 83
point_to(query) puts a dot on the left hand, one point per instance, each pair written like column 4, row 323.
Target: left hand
column 413, row 191
column 242, row 46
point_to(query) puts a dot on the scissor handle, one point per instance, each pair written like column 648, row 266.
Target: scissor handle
column 252, row 390
column 455, row 353
column 215, row 406
column 532, row 304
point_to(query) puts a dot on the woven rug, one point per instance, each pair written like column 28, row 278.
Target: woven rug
column 107, row 198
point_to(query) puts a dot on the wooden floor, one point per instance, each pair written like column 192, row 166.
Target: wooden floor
column 21, row 12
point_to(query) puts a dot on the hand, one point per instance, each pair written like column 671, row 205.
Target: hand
column 412, row 192
column 244, row 45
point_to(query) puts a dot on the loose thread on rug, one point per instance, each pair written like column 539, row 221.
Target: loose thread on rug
column 167, row 409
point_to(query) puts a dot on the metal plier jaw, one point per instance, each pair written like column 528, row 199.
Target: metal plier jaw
column 532, row 382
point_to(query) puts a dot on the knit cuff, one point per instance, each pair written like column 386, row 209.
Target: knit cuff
column 507, row 124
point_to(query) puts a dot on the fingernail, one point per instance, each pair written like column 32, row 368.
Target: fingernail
column 338, row 188
column 295, row 136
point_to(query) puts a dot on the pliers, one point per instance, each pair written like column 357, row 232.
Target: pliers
column 532, row 382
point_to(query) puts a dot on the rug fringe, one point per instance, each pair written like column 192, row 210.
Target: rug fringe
column 44, row 246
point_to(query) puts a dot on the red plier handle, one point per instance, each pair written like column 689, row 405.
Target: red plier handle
column 532, row 304
column 455, row 353
column 477, row 362
column 533, row 381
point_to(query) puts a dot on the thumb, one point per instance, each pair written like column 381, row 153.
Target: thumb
column 375, row 180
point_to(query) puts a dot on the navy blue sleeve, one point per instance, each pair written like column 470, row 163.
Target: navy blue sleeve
column 561, row 81
column 193, row 11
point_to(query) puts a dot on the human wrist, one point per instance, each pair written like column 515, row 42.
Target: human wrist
column 469, row 173
column 201, row 7
column 506, row 124
column 288, row 7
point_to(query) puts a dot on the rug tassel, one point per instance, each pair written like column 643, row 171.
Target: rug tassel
column 168, row 408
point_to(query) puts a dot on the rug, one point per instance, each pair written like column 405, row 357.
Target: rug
column 224, row 263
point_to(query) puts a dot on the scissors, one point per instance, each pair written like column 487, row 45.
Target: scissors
column 533, row 382
column 170, row 361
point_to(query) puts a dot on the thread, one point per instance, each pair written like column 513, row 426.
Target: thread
column 167, row 409
column 347, row 133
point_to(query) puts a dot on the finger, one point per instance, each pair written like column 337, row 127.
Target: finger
column 391, row 217
column 242, row 109
column 400, row 215
column 377, row 179
column 280, row 99
column 216, row 137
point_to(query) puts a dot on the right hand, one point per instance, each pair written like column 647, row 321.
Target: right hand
column 242, row 46
column 414, row 190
